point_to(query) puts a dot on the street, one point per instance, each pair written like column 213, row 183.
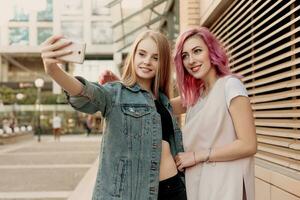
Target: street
column 49, row 170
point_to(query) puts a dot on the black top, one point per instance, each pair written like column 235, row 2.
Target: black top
column 166, row 121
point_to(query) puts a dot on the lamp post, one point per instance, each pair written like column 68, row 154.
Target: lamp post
column 39, row 83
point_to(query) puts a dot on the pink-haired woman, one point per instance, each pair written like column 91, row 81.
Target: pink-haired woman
column 219, row 133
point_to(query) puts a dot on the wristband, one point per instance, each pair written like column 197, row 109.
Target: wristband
column 208, row 156
column 194, row 157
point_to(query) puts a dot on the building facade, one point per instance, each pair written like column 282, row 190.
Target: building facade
column 24, row 25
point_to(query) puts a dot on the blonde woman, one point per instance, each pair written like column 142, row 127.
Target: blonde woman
column 141, row 136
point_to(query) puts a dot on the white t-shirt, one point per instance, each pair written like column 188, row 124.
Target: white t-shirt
column 56, row 122
column 209, row 125
column 234, row 88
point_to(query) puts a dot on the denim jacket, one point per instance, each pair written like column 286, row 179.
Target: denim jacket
column 131, row 145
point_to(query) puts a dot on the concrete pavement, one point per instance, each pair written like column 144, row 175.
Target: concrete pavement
column 49, row 170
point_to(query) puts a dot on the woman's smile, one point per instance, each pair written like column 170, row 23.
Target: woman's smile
column 196, row 68
column 145, row 69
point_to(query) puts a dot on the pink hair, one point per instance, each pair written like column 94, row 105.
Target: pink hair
column 189, row 87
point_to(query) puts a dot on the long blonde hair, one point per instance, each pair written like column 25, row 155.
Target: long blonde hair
column 162, row 79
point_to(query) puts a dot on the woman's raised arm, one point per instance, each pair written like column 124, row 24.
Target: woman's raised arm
column 51, row 50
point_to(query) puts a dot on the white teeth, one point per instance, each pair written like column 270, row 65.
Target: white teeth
column 145, row 69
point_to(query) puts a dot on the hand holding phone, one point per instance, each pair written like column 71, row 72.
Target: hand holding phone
column 77, row 55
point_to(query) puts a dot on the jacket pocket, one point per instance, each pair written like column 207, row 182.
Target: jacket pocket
column 120, row 177
column 135, row 120
column 135, row 110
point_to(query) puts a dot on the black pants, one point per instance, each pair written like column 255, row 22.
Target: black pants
column 172, row 189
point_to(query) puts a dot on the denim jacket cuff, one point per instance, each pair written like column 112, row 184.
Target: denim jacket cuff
column 84, row 97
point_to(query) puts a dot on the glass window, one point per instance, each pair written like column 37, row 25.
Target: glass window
column 101, row 32
column 72, row 7
column 18, row 12
column 47, row 14
column 98, row 7
column 19, row 36
column 72, row 29
column 43, row 34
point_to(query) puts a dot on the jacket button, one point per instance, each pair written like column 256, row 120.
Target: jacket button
column 152, row 189
column 153, row 165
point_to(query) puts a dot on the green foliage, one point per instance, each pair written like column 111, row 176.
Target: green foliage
column 50, row 98
column 8, row 96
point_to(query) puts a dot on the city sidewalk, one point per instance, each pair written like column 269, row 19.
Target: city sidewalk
column 49, row 170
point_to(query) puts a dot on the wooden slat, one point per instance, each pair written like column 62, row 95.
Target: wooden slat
column 277, row 141
column 279, row 132
column 286, row 123
column 288, row 153
column 271, row 87
column 274, row 77
column 289, row 34
column 295, row 165
column 242, row 26
column 281, row 28
column 233, row 46
column 275, row 96
column 232, row 26
column 225, row 18
column 253, row 28
column 277, row 114
column 278, row 104
column 270, row 61
column 295, row 145
column 273, row 51
column 266, row 45
column 290, row 163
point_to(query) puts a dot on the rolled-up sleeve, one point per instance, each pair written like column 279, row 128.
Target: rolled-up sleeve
column 93, row 98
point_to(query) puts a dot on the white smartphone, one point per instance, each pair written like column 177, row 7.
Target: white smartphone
column 77, row 55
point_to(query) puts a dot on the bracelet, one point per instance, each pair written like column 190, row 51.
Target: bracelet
column 208, row 156
column 194, row 157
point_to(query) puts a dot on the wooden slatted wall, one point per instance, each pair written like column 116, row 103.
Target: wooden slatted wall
column 262, row 38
